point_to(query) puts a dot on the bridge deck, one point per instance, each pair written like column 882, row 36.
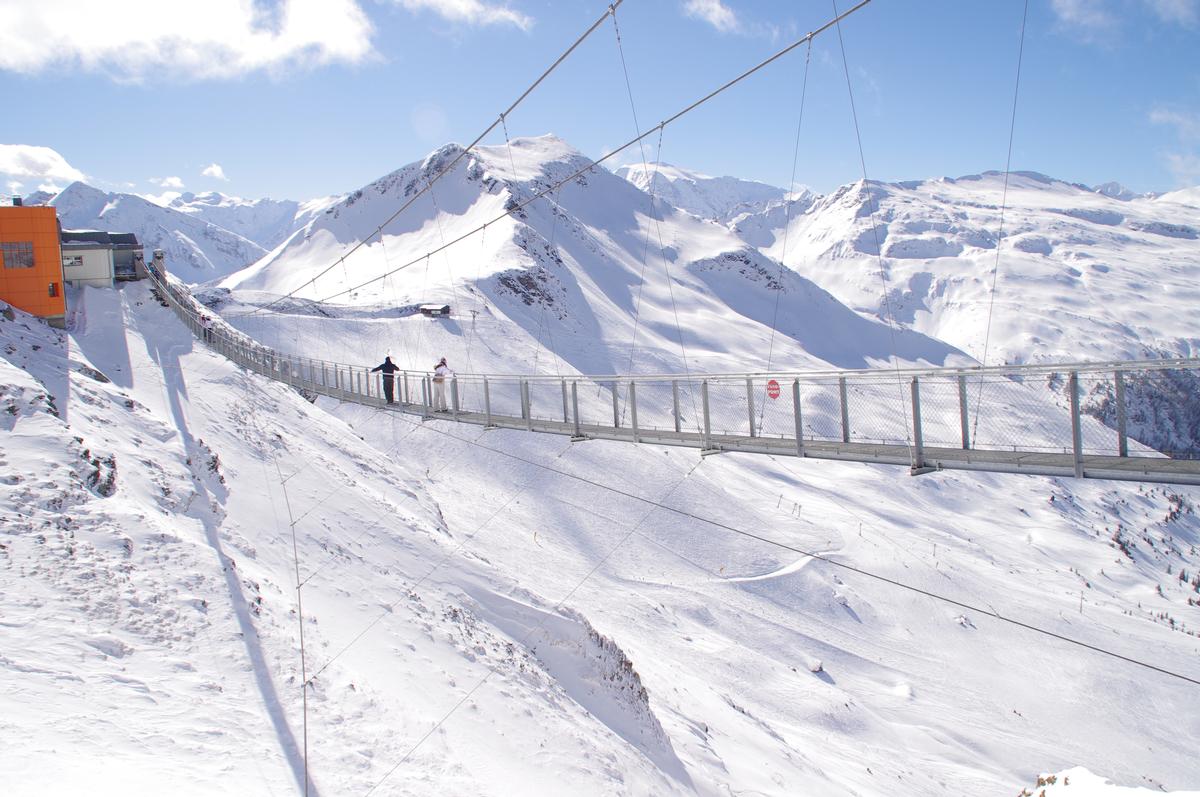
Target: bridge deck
column 357, row 384
column 1155, row 469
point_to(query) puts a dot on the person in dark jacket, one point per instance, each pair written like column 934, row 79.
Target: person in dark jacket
column 389, row 370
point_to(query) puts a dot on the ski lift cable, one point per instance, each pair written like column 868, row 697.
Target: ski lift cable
column 612, row 8
column 539, row 626
column 1012, row 126
column 257, row 423
column 871, row 207
column 827, row 559
column 429, row 573
column 613, row 153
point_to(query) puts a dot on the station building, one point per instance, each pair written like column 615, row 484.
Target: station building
column 100, row 258
column 31, row 265
column 38, row 257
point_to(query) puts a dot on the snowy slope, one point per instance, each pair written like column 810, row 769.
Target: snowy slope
column 493, row 624
column 197, row 250
column 720, row 199
column 595, row 282
column 495, row 612
column 148, row 582
column 1081, row 275
column 266, row 222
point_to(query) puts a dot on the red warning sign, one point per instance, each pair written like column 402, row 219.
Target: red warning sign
column 773, row 389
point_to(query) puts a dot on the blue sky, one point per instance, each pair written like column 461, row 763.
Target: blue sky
column 304, row 98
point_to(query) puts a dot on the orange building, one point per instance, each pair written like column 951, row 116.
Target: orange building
column 31, row 267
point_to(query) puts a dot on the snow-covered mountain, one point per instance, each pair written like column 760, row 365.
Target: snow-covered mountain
column 497, row 612
column 477, row 620
column 594, row 277
column 720, row 199
column 196, row 250
column 1079, row 276
column 266, row 222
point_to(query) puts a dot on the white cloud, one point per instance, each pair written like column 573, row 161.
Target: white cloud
column 715, row 13
column 164, row 199
column 1102, row 20
column 1185, row 165
column 214, row 170
column 1186, row 168
column 471, row 12
column 1089, row 18
column 23, row 163
column 199, row 39
column 167, row 182
column 1183, row 12
column 1187, row 125
column 429, row 122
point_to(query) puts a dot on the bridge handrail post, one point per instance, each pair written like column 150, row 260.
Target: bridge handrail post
column 616, row 406
column 963, row 415
column 358, row 382
column 918, row 435
column 404, row 396
column 1122, row 439
column 845, row 409
column 487, row 404
column 566, row 414
column 324, row 375
column 798, row 418
column 526, row 405
column 425, row 396
column 1076, row 428
column 675, row 403
column 750, row 402
column 454, row 397
column 633, row 409
column 575, row 407
column 707, row 440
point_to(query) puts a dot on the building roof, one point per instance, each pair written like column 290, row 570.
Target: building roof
column 99, row 238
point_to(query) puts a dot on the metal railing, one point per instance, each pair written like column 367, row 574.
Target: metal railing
column 1078, row 419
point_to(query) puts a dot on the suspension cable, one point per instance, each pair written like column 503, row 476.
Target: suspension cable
column 787, row 223
column 543, row 324
column 658, row 234
column 1012, row 126
column 693, row 106
column 612, row 9
column 437, row 214
column 887, row 303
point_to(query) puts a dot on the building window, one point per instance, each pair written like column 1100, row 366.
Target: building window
column 54, row 289
column 17, row 254
column 72, row 261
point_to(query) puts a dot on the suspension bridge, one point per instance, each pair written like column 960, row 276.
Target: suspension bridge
column 1112, row 420
column 1069, row 420
column 1129, row 420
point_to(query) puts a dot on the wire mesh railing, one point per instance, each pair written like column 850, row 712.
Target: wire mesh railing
column 1046, row 419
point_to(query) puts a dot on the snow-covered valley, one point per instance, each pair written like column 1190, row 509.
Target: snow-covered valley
column 497, row 612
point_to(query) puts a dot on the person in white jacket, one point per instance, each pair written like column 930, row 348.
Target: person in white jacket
column 441, row 373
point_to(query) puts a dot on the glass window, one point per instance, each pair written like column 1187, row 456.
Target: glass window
column 17, row 254
column 72, row 261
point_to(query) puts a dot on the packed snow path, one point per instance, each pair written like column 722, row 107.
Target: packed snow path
column 929, row 419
